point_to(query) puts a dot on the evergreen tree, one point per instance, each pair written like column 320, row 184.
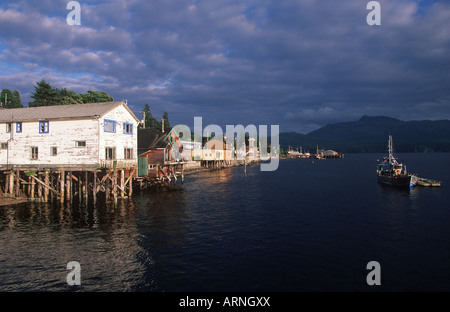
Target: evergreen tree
column 44, row 95
column 149, row 120
column 147, row 116
column 6, row 98
column 65, row 96
column 16, row 101
column 167, row 126
column 96, row 97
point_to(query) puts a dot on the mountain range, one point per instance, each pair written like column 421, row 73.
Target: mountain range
column 370, row 135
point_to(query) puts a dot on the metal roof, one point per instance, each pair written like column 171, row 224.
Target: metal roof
column 70, row 111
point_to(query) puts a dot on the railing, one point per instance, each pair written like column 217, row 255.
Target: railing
column 118, row 163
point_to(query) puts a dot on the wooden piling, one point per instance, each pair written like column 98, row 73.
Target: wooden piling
column 46, row 181
column 115, row 186
column 65, row 183
column 33, row 184
column 11, row 183
column 130, row 187
column 86, row 186
column 62, row 186
column 17, row 183
column 182, row 173
column 122, row 183
column 94, row 188
column 68, row 185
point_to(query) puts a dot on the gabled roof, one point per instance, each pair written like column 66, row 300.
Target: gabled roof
column 151, row 138
column 88, row 110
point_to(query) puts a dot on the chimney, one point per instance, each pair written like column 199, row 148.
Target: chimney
column 162, row 125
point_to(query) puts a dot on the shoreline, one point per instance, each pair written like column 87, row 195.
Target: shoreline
column 13, row 201
column 203, row 169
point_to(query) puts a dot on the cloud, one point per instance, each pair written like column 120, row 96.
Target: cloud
column 300, row 64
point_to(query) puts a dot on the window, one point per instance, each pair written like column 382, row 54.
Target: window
column 110, row 153
column 128, row 153
column 80, row 143
column 4, row 145
column 127, row 128
column 43, row 126
column 8, row 127
column 110, row 126
column 53, row 151
column 19, row 127
column 34, row 153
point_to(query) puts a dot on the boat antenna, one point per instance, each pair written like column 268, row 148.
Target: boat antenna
column 391, row 151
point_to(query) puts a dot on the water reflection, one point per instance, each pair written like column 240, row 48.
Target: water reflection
column 76, row 215
column 38, row 240
column 302, row 227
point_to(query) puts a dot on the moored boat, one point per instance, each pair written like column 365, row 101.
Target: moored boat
column 393, row 173
column 428, row 182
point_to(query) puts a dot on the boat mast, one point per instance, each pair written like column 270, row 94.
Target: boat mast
column 391, row 151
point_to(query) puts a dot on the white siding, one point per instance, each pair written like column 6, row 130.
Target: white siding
column 118, row 140
column 62, row 134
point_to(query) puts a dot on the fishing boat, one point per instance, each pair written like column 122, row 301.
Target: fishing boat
column 393, row 173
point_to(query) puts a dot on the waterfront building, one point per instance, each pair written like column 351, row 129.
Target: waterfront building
column 88, row 135
column 67, row 151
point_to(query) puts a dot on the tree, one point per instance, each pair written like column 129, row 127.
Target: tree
column 12, row 99
column 167, row 126
column 96, row 97
column 149, row 120
column 65, row 96
column 44, row 95
column 147, row 116
column 6, row 98
column 16, row 101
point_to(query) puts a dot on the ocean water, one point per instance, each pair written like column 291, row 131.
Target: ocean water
column 308, row 226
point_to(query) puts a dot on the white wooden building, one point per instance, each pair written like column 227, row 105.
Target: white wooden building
column 79, row 135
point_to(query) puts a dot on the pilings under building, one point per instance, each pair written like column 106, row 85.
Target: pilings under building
column 66, row 183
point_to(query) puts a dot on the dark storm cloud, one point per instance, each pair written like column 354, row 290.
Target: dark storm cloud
column 299, row 64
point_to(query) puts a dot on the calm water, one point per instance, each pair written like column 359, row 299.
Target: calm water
column 304, row 227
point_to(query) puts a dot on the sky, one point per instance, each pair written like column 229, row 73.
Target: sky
column 299, row 64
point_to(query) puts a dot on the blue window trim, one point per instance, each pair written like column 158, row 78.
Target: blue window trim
column 46, row 126
column 18, row 130
column 113, row 122
column 125, row 124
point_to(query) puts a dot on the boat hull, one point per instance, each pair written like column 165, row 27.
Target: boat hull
column 400, row 181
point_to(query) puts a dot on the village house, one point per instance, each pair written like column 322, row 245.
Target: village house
column 78, row 135
column 217, row 153
column 157, row 152
column 191, row 150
